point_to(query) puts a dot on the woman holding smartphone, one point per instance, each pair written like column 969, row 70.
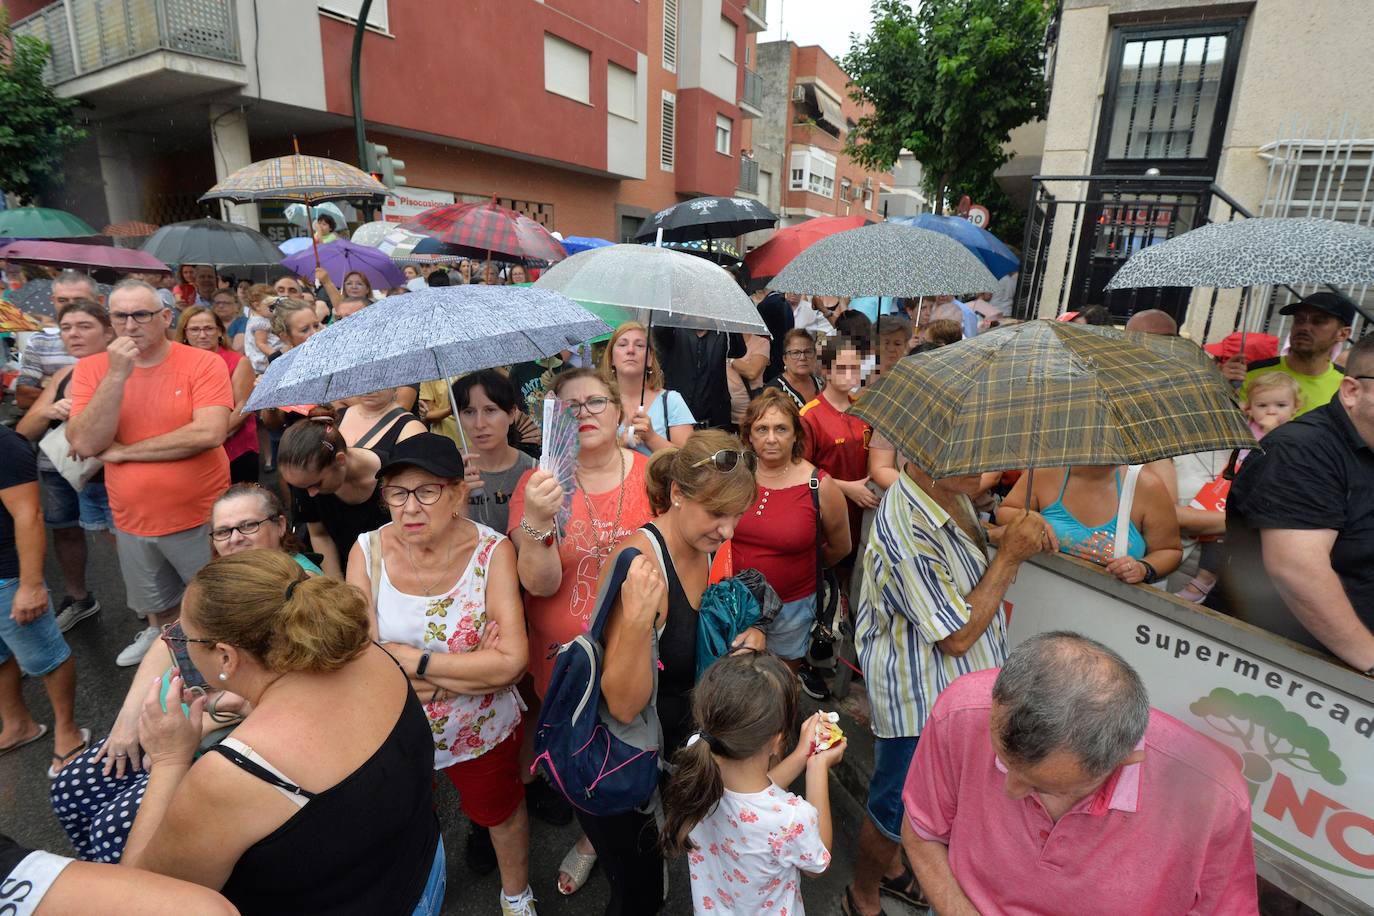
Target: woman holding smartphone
column 99, row 791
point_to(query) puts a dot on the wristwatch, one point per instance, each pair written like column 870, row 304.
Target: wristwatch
column 543, row 537
column 1150, row 574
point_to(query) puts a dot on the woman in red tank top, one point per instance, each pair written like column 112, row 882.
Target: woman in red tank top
column 777, row 535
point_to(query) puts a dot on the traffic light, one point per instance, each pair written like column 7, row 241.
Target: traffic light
column 386, row 169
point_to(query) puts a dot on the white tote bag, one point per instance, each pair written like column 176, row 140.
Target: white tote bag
column 76, row 471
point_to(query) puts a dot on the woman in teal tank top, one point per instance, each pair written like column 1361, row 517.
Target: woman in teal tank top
column 1080, row 504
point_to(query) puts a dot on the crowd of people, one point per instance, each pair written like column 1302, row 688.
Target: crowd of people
column 400, row 562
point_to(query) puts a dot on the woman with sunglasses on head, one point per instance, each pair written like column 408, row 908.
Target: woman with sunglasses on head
column 100, row 791
column 300, row 810
column 334, row 489
column 699, row 491
column 204, row 329
column 446, row 605
column 559, row 570
column 658, row 418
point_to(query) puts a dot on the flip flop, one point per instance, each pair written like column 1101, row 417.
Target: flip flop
column 42, row 730
column 577, row 866
column 902, row 887
column 849, row 908
column 60, row 760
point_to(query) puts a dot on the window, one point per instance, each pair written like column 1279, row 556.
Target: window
column 812, row 169
column 348, row 9
column 667, row 132
column 1166, row 97
column 728, row 34
column 670, row 35
column 567, row 69
column 621, row 92
column 723, row 125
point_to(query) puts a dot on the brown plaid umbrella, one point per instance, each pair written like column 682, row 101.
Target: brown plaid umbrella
column 133, row 229
column 309, row 179
column 1051, row 394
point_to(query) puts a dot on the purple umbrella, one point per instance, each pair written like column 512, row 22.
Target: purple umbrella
column 341, row 257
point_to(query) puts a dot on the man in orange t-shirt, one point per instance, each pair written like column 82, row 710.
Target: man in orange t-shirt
column 156, row 413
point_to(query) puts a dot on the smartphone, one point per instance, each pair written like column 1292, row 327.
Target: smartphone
column 190, row 676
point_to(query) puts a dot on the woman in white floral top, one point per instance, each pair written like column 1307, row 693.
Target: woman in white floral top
column 446, row 605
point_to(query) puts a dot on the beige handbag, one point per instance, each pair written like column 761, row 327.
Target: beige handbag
column 76, row 471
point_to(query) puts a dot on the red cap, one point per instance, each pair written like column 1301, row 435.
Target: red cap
column 1257, row 347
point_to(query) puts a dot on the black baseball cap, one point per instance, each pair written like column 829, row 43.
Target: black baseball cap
column 427, row 451
column 1331, row 303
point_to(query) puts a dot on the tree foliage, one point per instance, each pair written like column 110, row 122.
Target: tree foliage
column 37, row 127
column 1269, row 731
column 949, row 81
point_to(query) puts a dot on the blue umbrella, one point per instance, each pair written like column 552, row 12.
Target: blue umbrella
column 575, row 243
column 340, row 257
column 295, row 245
column 988, row 248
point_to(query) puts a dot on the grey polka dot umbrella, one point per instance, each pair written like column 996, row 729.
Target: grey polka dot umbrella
column 885, row 259
column 1255, row 252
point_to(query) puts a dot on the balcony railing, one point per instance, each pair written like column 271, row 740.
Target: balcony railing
column 749, row 175
column 753, row 90
column 759, row 10
column 89, row 35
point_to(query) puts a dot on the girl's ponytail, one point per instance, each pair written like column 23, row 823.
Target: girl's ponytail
column 692, row 793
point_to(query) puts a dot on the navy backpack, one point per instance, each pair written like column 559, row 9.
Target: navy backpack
column 600, row 765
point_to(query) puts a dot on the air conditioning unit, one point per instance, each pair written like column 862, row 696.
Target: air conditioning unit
column 799, row 93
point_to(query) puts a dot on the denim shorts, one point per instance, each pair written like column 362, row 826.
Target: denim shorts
column 789, row 634
column 432, row 900
column 64, row 507
column 39, row 645
column 891, row 760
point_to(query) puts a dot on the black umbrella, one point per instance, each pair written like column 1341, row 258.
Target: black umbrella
column 211, row 241
column 707, row 218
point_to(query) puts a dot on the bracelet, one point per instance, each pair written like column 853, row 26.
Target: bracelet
column 545, row 537
column 423, row 666
column 1150, row 574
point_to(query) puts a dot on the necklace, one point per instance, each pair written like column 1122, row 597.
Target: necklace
column 599, row 550
column 444, row 569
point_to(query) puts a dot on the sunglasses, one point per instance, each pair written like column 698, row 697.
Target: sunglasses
column 727, row 459
column 173, row 634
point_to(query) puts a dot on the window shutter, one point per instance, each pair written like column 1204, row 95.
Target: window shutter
column 670, row 35
column 667, row 132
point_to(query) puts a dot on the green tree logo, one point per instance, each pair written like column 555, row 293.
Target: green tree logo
column 1268, row 732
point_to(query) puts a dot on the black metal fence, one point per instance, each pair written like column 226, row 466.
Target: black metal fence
column 1082, row 228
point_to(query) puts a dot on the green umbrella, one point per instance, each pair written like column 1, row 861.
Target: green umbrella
column 42, row 223
column 1049, row 394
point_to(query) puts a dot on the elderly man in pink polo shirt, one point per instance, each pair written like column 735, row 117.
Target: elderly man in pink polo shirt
column 1051, row 786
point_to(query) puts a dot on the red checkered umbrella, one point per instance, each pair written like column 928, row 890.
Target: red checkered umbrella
column 489, row 231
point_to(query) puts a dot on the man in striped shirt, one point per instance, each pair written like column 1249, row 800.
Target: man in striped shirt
column 930, row 610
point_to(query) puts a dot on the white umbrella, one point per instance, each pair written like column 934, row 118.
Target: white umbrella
column 655, row 286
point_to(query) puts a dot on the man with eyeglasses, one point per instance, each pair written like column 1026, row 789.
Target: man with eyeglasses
column 157, row 413
column 1300, row 525
column 45, row 355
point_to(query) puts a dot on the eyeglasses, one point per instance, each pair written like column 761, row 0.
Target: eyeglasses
column 172, row 633
column 426, row 494
column 727, row 459
column 207, row 330
column 244, row 528
column 593, row 406
column 140, row 317
column 1367, row 378
column 796, row 354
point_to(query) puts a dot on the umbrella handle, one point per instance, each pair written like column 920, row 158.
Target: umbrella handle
column 453, row 406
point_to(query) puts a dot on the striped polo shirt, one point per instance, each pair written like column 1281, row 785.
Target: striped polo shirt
column 917, row 568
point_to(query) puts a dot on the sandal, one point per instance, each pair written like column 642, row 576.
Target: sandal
column 577, row 866
column 10, row 748
column 849, row 908
column 61, row 760
column 1194, row 591
column 905, row 888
